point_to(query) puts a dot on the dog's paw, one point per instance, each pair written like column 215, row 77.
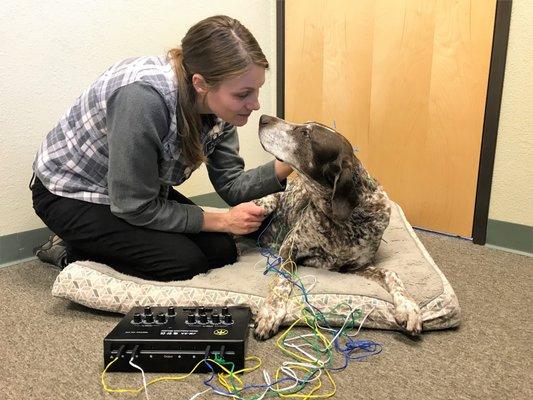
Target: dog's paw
column 269, row 203
column 409, row 316
column 267, row 321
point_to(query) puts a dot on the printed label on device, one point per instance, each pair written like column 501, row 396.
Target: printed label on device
column 179, row 332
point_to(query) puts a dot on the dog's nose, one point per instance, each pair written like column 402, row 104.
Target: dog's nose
column 265, row 119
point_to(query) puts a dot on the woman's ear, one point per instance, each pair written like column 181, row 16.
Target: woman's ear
column 199, row 84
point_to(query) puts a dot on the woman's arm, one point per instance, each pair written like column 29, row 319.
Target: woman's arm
column 137, row 118
column 239, row 220
column 232, row 182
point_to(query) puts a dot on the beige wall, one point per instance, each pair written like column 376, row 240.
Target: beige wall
column 512, row 185
column 51, row 50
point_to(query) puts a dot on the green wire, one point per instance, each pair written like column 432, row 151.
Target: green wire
column 313, row 320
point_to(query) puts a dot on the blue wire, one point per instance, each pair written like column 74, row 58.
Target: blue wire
column 372, row 348
column 369, row 347
column 206, row 381
column 273, row 267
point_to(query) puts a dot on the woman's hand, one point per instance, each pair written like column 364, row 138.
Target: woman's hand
column 244, row 218
column 240, row 220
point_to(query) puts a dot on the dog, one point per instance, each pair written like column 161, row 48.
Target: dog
column 332, row 215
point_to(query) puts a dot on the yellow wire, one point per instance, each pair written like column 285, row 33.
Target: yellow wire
column 278, row 389
column 328, row 344
column 175, row 378
column 313, row 390
column 310, row 395
column 222, row 378
column 110, row 390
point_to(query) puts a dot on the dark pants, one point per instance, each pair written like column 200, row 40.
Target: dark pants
column 92, row 232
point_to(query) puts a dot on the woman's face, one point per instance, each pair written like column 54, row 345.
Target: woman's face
column 235, row 98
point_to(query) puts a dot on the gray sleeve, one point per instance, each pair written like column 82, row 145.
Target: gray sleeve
column 231, row 181
column 137, row 119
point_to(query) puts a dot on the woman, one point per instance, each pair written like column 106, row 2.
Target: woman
column 104, row 174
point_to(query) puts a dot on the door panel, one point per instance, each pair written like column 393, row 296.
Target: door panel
column 405, row 81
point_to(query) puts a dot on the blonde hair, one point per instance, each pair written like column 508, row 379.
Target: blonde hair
column 217, row 48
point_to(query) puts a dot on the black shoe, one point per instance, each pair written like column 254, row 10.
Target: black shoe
column 53, row 252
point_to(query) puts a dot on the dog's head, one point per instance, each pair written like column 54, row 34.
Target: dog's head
column 320, row 154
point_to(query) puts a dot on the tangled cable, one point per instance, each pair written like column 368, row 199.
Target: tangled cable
column 312, row 353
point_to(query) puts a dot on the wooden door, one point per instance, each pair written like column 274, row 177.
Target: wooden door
column 405, row 81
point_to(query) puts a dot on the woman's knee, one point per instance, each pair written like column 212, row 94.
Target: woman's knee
column 213, row 251
column 179, row 262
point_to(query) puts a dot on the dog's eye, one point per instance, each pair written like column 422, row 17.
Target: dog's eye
column 305, row 132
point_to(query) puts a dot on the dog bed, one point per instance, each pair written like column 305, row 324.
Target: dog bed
column 243, row 283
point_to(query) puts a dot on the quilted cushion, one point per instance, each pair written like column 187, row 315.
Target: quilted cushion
column 243, row 283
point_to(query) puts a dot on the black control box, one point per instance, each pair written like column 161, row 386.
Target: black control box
column 175, row 339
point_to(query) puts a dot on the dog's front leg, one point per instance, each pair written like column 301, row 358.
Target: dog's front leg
column 406, row 310
column 272, row 312
column 269, row 203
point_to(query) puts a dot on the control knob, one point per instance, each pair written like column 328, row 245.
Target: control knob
column 161, row 318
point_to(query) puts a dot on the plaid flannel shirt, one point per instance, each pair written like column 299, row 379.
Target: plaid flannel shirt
column 73, row 158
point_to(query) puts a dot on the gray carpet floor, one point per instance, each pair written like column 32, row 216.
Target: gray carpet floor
column 52, row 349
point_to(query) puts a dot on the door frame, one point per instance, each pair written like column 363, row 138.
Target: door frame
column 500, row 40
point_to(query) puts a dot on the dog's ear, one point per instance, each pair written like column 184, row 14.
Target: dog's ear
column 345, row 194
